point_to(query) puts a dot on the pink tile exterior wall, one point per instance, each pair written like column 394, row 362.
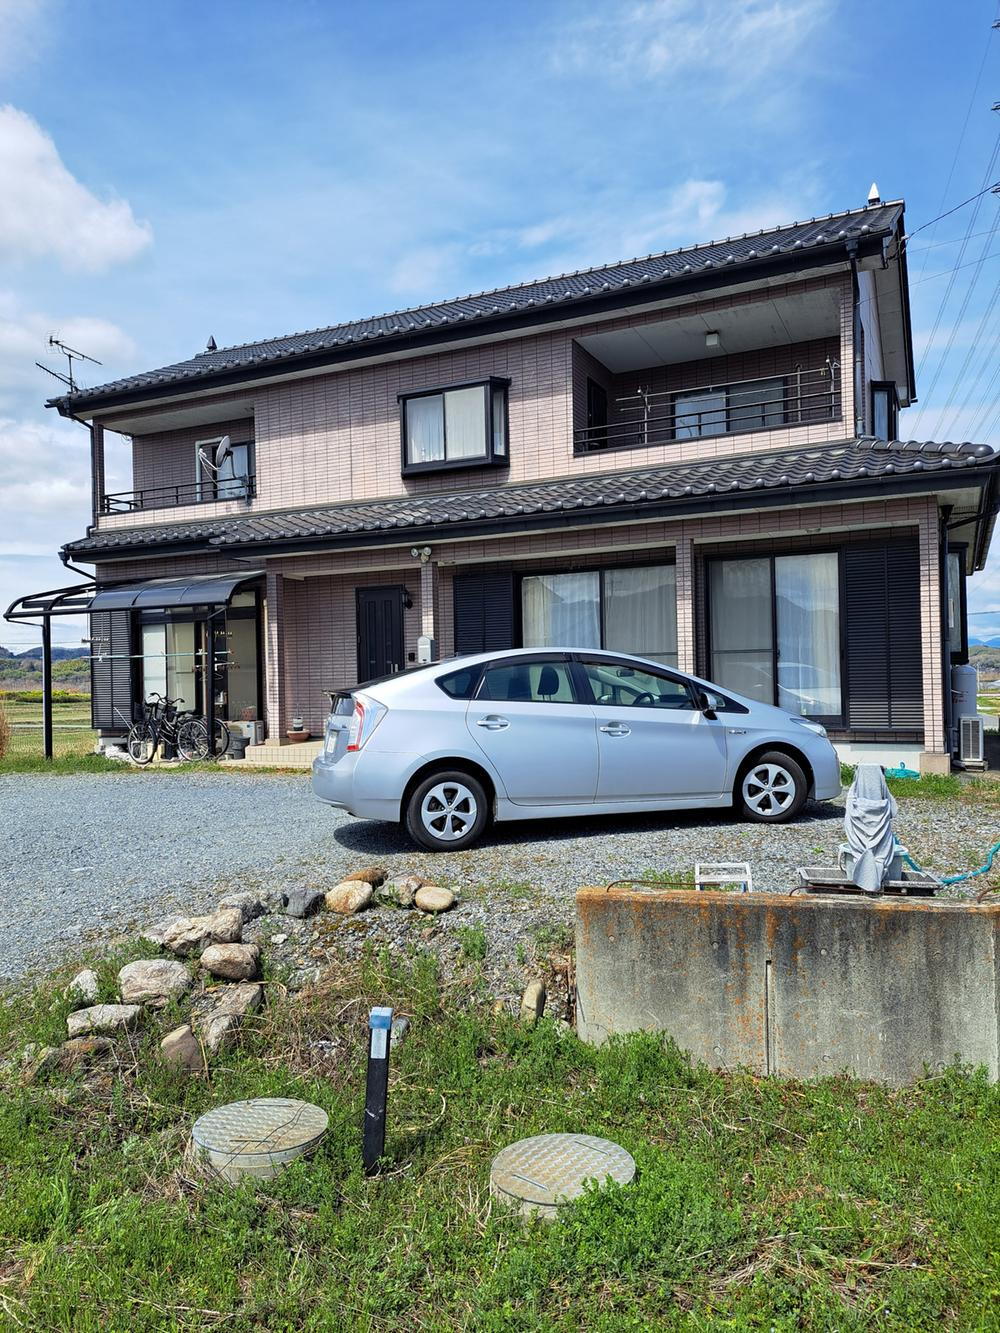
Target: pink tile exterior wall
column 336, row 437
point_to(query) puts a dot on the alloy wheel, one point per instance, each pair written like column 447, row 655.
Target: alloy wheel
column 448, row 811
column 768, row 789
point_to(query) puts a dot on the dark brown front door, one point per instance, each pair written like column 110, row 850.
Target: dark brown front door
column 380, row 632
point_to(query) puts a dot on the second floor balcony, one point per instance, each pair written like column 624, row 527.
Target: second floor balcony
column 641, row 417
column 179, row 495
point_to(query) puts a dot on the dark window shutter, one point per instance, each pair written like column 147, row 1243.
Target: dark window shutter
column 884, row 669
column 111, row 670
column 484, row 613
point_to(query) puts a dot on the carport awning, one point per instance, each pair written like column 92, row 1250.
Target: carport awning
column 159, row 594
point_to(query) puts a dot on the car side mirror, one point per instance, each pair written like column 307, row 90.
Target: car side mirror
column 707, row 703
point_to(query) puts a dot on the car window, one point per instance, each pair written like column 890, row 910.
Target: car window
column 461, row 683
column 633, row 687
column 528, row 682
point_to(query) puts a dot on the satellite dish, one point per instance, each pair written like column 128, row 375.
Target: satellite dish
column 223, row 450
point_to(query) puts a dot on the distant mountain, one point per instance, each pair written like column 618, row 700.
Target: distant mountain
column 58, row 654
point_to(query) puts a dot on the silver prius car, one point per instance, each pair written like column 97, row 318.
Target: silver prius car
column 539, row 733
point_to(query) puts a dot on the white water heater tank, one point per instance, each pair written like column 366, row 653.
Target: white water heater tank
column 964, row 691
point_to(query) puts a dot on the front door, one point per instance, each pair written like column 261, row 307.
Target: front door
column 654, row 743
column 380, row 632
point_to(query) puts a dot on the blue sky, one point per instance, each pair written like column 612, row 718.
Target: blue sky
column 170, row 171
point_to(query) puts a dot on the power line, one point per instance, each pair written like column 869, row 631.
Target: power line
column 961, row 140
column 973, row 345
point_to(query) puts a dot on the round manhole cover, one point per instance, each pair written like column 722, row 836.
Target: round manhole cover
column 257, row 1138
column 537, row 1174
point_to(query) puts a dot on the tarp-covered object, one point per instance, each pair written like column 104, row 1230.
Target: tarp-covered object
column 868, row 825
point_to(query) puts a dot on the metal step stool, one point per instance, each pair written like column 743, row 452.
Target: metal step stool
column 723, row 872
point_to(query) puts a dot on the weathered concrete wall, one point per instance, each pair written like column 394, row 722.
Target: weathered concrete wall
column 797, row 986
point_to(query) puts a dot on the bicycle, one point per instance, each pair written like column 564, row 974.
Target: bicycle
column 161, row 722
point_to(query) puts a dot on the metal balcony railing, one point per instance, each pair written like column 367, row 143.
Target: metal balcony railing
column 638, row 420
column 185, row 493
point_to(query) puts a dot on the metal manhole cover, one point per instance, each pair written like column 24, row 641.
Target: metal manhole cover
column 539, row 1173
column 258, row 1137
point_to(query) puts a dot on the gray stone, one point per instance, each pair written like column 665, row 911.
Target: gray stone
column 400, row 890
column 232, row 962
column 249, row 905
column 102, row 1018
column 432, row 898
column 220, row 1021
column 153, row 981
column 182, row 1049
column 350, row 896
column 533, row 1002
column 84, row 988
column 302, row 902
column 191, row 934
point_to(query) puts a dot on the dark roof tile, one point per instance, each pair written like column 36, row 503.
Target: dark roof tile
column 772, row 470
column 568, row 288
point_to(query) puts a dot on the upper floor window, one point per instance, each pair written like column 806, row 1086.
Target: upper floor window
column 463, row 426
column 733, row 408
column 223, row 470
column 885, row 410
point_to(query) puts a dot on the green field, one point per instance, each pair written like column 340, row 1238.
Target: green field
column 759, row 1203
column 72, row 736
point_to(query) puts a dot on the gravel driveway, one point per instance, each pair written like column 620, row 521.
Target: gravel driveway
column 93, row 855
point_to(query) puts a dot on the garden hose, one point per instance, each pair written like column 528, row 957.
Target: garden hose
column 957, row 879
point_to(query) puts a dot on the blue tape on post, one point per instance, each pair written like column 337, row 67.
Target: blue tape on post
column 380, row 1018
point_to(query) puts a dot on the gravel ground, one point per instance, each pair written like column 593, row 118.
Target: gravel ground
column 85, row 859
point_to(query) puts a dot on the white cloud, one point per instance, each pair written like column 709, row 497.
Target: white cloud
column 608, row 229
column 46, row 212
column 731, row 43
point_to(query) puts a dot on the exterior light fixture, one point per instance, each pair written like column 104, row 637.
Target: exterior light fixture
column 712, row 339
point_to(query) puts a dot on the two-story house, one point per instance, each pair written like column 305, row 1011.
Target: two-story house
column 691, row 457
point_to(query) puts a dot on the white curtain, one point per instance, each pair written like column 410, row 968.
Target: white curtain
column 807, row 591
column 640, row 612
column 465, row 422
column 742, row 653
column 561, row 611
column 425, row 429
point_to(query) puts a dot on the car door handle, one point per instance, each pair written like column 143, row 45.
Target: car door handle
column 615, row 729
column 492, row 722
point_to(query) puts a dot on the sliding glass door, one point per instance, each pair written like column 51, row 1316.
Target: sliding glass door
column 630, row 610
column 775, row 630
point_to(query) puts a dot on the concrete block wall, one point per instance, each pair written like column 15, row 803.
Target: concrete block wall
column 801, row 987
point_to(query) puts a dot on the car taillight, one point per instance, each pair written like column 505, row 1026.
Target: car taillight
column 366, row 717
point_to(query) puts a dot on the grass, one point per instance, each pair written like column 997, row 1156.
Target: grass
column 759, row 1204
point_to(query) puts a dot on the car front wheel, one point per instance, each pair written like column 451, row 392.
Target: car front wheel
column 772, row 789
column 447, row 811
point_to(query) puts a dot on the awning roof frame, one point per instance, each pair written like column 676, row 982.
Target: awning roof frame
column 138, row 595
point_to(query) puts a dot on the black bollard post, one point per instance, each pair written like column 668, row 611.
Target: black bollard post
column 376, row 1089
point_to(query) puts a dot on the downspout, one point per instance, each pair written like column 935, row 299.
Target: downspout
column 943, row 516
column 857, row 338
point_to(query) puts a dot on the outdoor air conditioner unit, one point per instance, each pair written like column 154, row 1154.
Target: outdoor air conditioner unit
column 971, row 749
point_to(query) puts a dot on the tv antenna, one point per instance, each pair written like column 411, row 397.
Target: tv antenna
column 71, row 355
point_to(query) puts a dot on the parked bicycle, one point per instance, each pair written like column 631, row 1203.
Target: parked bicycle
column 163, row 724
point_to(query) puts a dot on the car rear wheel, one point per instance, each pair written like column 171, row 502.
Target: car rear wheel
column 447, row 811
column 772, row 789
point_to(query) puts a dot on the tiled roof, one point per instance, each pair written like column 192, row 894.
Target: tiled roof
column 522, row 299
column 768, row 473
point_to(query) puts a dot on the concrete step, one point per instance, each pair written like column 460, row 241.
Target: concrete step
column 298, row 756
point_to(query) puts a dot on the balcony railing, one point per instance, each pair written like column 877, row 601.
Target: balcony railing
column 186, row 493
column 644, row 418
